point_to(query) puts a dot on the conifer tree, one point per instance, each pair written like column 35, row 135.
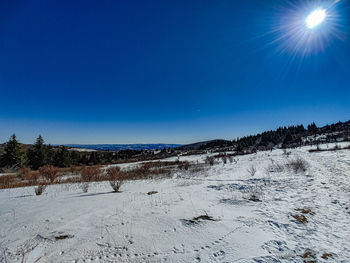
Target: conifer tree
column 13, row 155
column 62, row 157
column 37, row 154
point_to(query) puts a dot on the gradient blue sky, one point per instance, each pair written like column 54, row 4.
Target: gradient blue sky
column 165, row 71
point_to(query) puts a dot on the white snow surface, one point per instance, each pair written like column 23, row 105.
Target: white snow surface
column 131, row 226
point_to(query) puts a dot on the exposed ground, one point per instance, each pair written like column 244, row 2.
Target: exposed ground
column 220, row 214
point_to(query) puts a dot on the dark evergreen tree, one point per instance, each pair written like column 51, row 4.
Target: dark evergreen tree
column 13, row 155
column 50, row 154
column 94, row 158
column 37, row 154
column 312, row 127
column 62, row 157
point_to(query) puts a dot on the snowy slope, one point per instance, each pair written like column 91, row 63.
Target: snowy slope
column 132, row 226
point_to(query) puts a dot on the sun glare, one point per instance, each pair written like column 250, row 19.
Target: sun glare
column 316, row 18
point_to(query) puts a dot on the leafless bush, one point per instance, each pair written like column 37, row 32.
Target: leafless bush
column 116, row 185
column 254, row 194
column 298, row 165
column 184, row 165
column 286, row 153
column 49, row 172
column 224, row 159
column 116, row 178
column 24, row 173
column 275, row 168
column 40, row 189
column 210, row 160
column 251, row 170
column 75, row 169
column 230, row 158
column 85, row 187
column 89, row 173
column 6, row 181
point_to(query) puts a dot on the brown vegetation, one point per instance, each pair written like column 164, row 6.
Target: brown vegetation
column 116, row 178
column 326, row 255
column 77, row 174
column 300, row 218
column 49, row 172
column 89, row 173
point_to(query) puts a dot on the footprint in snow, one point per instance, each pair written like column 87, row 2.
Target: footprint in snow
column 220, row 254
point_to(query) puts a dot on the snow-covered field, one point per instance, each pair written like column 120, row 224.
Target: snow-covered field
column 67, row 225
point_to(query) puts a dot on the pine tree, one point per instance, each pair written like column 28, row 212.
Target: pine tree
column 312, row 127
column 37, row 154
column 13, row 155
column 62, row 157
column 94, row 158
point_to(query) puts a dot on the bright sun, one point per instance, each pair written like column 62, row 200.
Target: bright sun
column 315, row 18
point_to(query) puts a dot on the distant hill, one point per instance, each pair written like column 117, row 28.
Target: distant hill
column 206, row 145
column 118, row 147
column 283, row 137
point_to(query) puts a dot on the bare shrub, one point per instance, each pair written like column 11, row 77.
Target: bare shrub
column 115, row 177
column 89, row 173
column 230, row 158
column 254, row 198
column 113, row 172
column 210, row 160
column 185, row 165
column 5, row 181
column 24, row 173
column 224, row 159
column 251, row 170
column 40, row 189
column 75, row 169
column 275, row 168
column 254, row 194
column 33, row 176
column 298, row 165
column 49, row 172
column 85, row 187
column 116, row 185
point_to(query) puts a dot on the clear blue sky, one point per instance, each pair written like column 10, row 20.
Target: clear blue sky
column 167, row 71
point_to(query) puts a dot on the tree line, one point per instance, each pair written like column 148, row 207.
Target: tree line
column 16, row 155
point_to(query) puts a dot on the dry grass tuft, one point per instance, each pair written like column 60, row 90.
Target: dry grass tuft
column 305, row 211
column 251, row 170
column 300, row 218
column 309, row 256
column 326, row 255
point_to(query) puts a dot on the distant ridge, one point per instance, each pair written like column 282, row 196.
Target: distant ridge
column 118, row 147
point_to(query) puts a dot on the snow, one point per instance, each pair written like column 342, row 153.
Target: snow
column 133, row 226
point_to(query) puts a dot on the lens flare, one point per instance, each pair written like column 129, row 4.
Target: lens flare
column 316, row 18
